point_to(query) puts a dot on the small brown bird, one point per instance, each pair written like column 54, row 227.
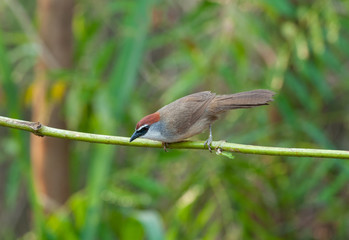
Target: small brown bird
column 192, row 114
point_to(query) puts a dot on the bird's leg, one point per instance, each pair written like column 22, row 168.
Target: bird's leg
column 209, row 140
column 164, row 145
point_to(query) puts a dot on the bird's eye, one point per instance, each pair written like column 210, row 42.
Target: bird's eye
column 143, row 129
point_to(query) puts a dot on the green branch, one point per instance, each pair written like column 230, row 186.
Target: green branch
column 220, row 146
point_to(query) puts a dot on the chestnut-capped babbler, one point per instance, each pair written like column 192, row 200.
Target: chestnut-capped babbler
column 192, row 114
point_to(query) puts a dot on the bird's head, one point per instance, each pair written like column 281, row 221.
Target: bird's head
column 143, row 126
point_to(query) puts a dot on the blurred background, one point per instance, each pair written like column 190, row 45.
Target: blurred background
column 100, row 66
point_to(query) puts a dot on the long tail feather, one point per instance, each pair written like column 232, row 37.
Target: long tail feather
column 259, row 97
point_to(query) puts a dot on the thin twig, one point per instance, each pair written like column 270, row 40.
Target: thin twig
column 41, row 130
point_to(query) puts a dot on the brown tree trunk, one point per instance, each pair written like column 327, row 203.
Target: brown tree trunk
column 49, row 156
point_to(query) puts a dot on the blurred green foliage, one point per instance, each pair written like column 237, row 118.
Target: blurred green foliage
column 131, row 58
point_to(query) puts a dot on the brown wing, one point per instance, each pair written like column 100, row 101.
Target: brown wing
column 184, row 112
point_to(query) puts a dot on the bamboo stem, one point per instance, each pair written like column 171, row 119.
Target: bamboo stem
column 41, row 130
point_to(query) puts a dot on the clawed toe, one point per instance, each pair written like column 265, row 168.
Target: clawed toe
column 209, row 141
column 208, row 144
column 164, row 145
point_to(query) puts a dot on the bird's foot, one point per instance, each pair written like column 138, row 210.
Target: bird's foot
column 165, row 145
column 209, row 140
column 208, row 143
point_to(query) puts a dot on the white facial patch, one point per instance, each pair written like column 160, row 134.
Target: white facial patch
column 141, row 127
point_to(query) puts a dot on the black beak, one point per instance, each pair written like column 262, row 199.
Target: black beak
column 135, row 135
column 139, row 132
